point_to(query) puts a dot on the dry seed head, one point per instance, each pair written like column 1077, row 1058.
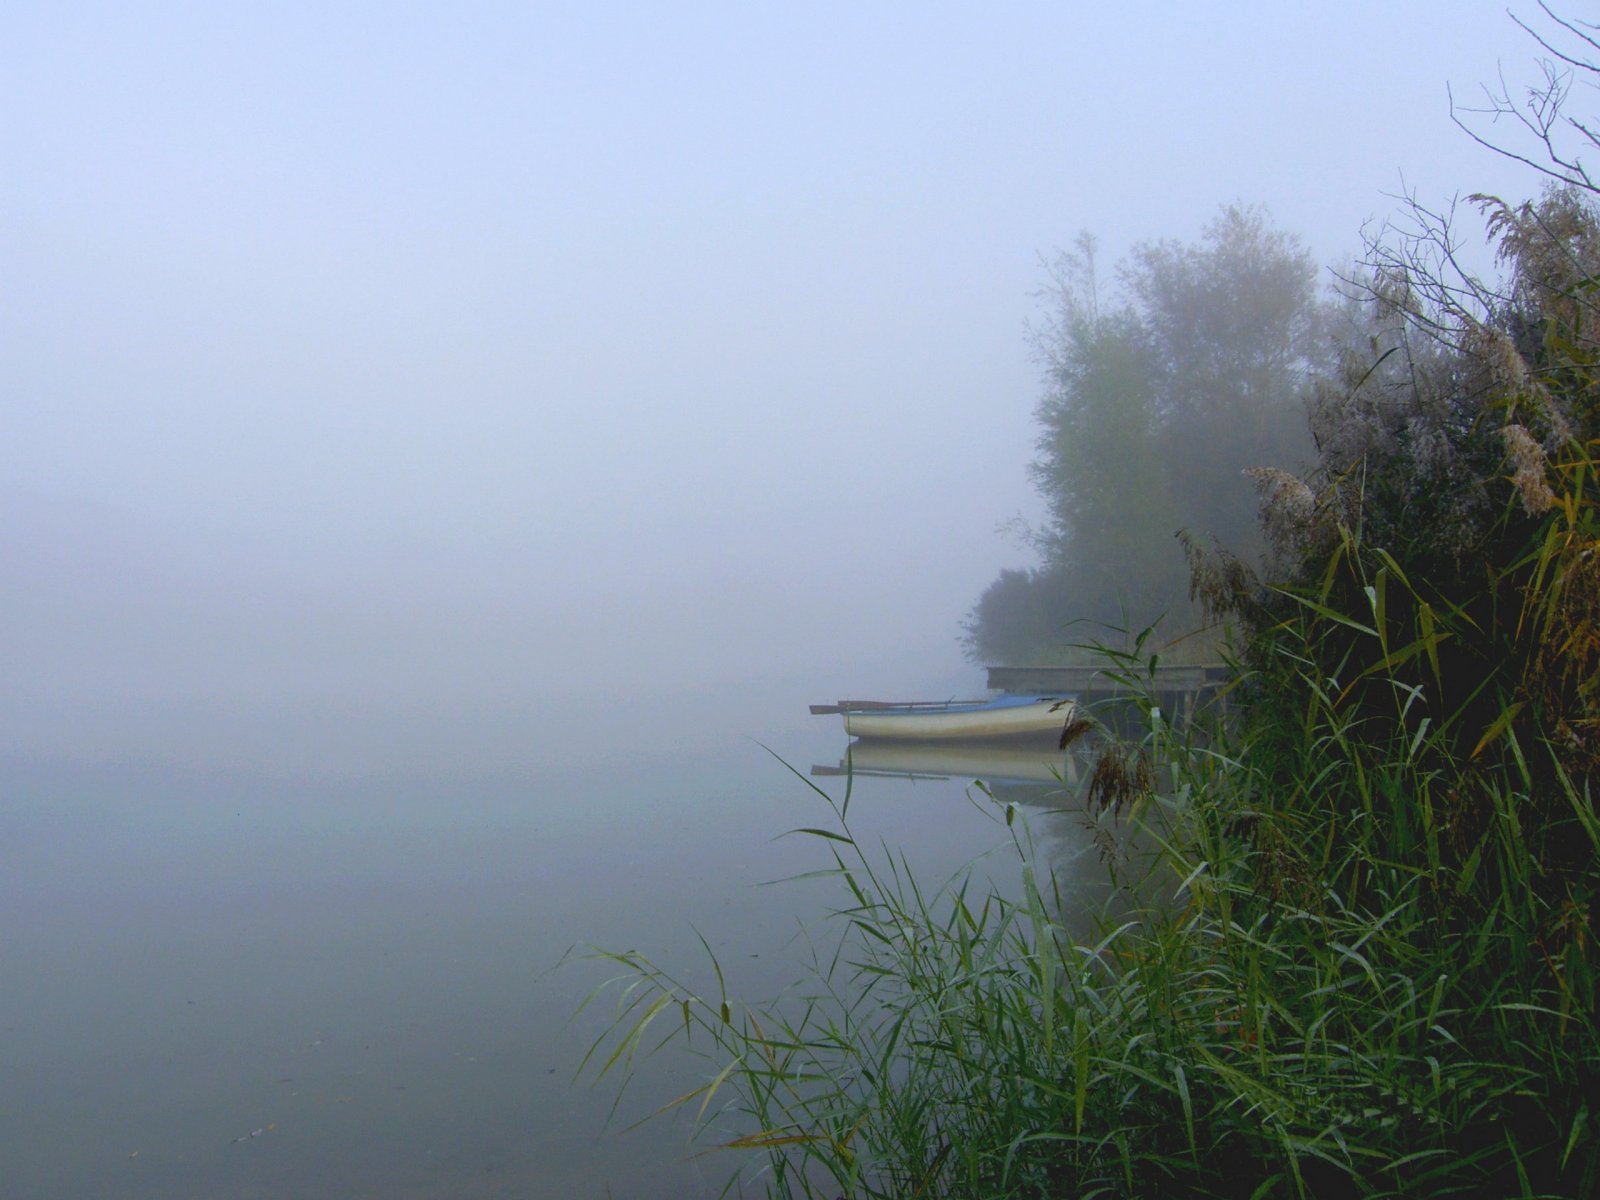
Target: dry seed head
column 1218, row 581
column 1283, row 493
column 1529, row 464
column 1074, row 729
column 1289, row 515
column 1122, row 777
column 1495, row 349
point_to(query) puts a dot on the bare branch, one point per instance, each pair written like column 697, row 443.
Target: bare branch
column 1576, row 28
column 1541, row 113
column 1580, row 63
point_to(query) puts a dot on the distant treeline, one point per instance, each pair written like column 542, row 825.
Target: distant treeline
column 1205, row 365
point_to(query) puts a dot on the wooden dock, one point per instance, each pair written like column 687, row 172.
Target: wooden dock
column 1180, row 690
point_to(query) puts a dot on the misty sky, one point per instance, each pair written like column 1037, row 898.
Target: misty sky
column 393, row 384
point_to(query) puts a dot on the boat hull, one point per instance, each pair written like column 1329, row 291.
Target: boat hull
column 1009, row 717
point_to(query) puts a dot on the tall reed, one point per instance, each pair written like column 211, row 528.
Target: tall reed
column 1288, row 998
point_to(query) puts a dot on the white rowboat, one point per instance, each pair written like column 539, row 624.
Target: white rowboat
column 1001, row 717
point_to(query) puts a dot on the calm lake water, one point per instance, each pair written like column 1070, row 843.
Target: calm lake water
column 269, row 986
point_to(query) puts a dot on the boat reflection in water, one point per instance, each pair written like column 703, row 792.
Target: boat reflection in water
column 1047, row 785
column 990, row 762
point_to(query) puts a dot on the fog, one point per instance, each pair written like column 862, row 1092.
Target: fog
column 440, row 446
column 392, row 385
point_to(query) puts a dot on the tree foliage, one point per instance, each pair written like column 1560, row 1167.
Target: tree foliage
column 1454, row 437
column 1153, row 407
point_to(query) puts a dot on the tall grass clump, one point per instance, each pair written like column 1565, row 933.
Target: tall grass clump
column 1268, row 1008
column 954, row 1041
column 1357, row 956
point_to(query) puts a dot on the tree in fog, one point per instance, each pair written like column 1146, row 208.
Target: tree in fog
column 1154, row 408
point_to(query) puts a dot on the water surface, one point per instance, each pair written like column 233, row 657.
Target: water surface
column 230, row 985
